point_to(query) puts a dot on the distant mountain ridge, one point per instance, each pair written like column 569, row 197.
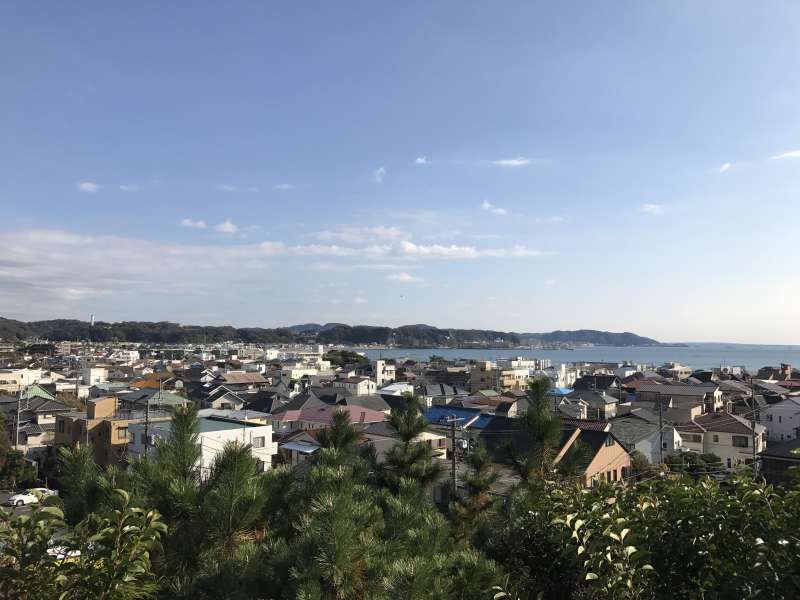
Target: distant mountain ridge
column 418, row 335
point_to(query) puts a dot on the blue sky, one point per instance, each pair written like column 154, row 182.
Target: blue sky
column 520, row 166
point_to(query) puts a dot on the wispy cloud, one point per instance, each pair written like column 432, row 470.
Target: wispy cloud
column 359, row 300
column 454, row 251
column 519, row 161
column 489, row 207
column 187, row 222
column 422, row 160
column 724, row 167
column 88, row 186
column 652, row 209
column 129, row 187
column 378, row 174
column 252, row 188
column 227, row 227
column 226, row 187
column 403, row 277
column 284, row 186
column 359, row 234
column 789, row 154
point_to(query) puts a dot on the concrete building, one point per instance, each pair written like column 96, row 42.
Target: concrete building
column 213, row 434
column 93, row 375
column 104, row 425
column 484, row 375
column 383, row 372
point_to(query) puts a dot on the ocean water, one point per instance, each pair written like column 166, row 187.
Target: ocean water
column 699, row 356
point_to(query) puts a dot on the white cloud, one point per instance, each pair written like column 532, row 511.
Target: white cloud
column 129, row 187
column 549, row 282
column 226, row 187
column 193, row 224
column 455, row 252
column 378, row 174
column 227, row 226
column 652, row 209
column 271, row 248
column 359, row 234
column 724, row 167
column 88, row 186
column 488, row 206
column 422, row 160
column 403, row 277
column 789, row 154
column 284, row 186
column 519, row 161
column 252, row 188
column 359, row 300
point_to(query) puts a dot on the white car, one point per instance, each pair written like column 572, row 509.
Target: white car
column 30, row 496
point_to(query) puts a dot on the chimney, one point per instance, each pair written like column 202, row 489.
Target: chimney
column 786, row 371
column 363, row 417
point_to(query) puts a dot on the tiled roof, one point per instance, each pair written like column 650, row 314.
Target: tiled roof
column 786, row 450
column 719, row 423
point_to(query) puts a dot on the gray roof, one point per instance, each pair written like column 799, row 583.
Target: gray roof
column 629, row 429
column 678, row 390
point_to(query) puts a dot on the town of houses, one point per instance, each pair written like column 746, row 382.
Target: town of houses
column 277, row 399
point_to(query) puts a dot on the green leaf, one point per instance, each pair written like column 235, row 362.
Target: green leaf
column 591, row 576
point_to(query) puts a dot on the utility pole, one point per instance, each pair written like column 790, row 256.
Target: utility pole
column 146, row 425
column 16, row 428
column 661, row 431
column 753, row 425
column 453, row 458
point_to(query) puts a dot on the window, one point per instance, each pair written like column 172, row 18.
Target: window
column 740, row 441
column 780, row 418
column 693, row 437
column 260, row 465
column 769, row 418
column 141, row 439
column 60, row 426
column 664, row 445
column 122, row 434
column 716, row 439
column 258, row 442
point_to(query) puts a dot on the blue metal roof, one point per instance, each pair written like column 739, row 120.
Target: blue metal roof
column 440, row 415
column 481, row 422
column 560, row 391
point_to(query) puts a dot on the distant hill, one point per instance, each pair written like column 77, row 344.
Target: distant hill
column 590, row 336
column 137, row 331
column 410, row 336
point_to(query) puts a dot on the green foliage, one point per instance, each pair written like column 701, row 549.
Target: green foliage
column 15, row 471
column 471, row 510
column 694, row 464
column 543, row 433
column 411, row 458
column 340, row 358
column 104, row 557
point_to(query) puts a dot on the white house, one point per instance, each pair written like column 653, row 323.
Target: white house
column 94, row 375
column 213, row 433
column 728, row 436
column 383, row 372
column 357, row 386
column 782, row 419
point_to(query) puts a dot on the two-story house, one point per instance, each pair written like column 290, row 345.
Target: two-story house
column 728, row 436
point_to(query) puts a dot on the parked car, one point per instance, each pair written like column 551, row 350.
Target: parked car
column 29, row 496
